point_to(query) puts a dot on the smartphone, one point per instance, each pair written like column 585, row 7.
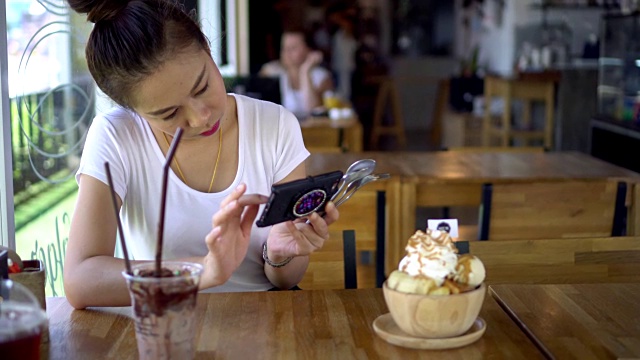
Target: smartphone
column 299, row 198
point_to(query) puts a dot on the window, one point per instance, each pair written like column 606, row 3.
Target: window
column 225, row 23
column 48, row 101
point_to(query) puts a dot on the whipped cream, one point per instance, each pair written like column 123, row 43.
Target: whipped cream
column 431, row 254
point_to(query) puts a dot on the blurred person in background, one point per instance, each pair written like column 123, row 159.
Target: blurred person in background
column 303, row 80
column 343, row 49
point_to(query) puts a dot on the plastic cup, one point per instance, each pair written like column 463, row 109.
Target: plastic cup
column 164, row 309
column 330, row 100
column 22, row 322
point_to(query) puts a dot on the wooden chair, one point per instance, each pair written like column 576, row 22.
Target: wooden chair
column 365, row 212
column 547, row 210
column 388, row 94
column 527, row 91
column 333, row 266
column 557, row 261
column 470, row 231
column 441, row 105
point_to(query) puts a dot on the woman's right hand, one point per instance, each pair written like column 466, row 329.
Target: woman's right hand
column 229, row 237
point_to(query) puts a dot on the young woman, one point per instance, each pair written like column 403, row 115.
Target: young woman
column 302, row 80
column 153, row 60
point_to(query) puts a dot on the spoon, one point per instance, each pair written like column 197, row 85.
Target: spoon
column 368, row 164
column 349, row 179
column 354, row 186
column 355, row 172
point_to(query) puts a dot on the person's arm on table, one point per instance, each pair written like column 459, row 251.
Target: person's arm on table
column 311, row 94
column 93, row 276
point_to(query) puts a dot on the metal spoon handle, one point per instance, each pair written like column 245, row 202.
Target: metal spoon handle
column 366, row 180
column 352, row 190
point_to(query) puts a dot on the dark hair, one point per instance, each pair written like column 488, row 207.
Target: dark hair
column 306, row 34
column 132, row 38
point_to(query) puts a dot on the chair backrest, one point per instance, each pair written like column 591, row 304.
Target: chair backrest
column 548, row 210
column 365, row 213
column 333, row 266
column 558, row 261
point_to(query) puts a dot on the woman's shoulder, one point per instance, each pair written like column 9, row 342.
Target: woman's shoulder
column 117, row 127
column 118, row 119
column 272, row 68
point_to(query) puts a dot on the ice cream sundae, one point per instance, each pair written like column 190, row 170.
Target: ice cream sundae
column 435, row 293
column 432, row 266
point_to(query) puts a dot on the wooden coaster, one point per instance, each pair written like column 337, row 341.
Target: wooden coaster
column 387, row 329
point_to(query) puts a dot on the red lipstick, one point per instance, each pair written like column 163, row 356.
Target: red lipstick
column 212, row 131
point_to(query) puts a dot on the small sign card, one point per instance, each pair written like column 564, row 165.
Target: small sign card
column 448, row 225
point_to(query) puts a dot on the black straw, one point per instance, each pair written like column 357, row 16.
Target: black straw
column 163, row 199
column 127, row 264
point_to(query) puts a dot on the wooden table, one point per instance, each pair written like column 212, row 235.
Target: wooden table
column 328, row 324
column 586, row 321
column 348, row 133
column 449, row 178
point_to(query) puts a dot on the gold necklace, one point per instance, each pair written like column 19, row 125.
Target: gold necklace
column 215, row 167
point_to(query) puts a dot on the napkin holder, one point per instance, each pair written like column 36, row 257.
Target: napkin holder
column 33, row 278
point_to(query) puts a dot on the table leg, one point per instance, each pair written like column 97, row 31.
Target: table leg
column 393, row 237
column 407, row 223
column 633, row 219
column 353, row 138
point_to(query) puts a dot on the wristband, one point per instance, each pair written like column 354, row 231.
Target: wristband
column 271, row 263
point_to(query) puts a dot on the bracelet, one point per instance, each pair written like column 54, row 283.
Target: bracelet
column 271, row 263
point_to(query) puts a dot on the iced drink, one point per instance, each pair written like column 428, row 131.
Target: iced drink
column 164, row 309
column 22, row 321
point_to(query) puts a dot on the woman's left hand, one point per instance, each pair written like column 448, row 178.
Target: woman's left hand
column 313, row 58
column 297, row 238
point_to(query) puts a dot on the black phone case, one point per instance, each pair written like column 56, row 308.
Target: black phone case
column 299, row 198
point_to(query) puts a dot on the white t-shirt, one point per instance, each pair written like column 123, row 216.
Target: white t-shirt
column 292, row 99
column 270, row 147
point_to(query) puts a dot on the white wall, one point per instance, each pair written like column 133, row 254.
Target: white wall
column 498, row 49
column 497, row 43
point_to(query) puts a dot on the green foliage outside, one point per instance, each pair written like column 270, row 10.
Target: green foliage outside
column 45, row 237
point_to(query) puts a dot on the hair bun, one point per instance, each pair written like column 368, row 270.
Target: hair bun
column 98, row 10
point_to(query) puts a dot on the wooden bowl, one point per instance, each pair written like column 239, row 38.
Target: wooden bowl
column 434, row 316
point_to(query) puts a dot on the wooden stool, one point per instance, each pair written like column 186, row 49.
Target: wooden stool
column 460, row 129
column 439, row 110
column 518, row 89
column 387, row 93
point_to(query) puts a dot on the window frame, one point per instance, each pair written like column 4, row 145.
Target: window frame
column 235, row 34
column 7, row 223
